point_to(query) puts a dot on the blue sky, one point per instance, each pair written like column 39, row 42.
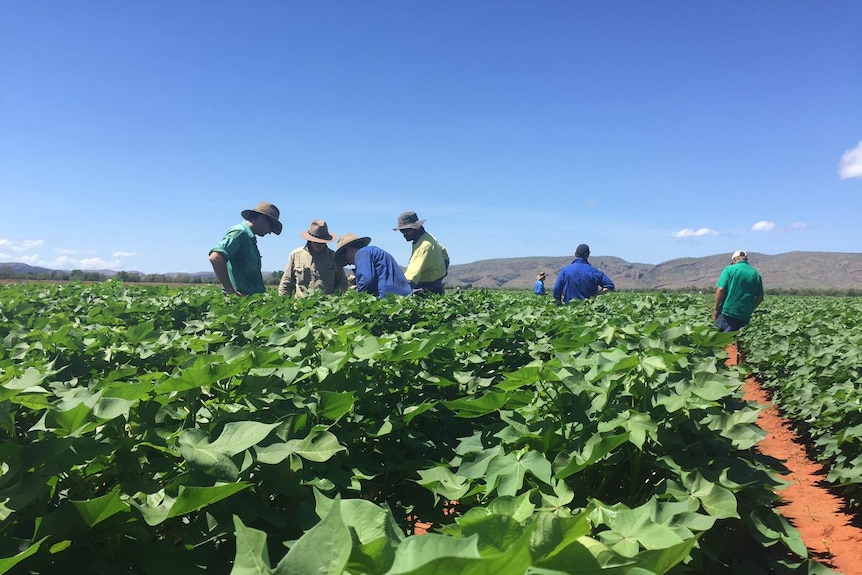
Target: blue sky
column 132, row 134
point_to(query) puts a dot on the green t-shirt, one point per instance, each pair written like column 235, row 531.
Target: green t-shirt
column 744, row 287
column 239, row 247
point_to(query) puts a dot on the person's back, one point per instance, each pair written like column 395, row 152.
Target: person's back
column 378, row 273
column 580, row 280
column 743, row 287
column 539, row 286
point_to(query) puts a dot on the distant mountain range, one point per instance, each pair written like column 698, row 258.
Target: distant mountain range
column 792, row 270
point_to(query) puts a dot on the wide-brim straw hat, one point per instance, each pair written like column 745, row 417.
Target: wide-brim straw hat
column 349, row 241
column 270, row 211
column 318, row 232
column 541, row 276
column 409, row 221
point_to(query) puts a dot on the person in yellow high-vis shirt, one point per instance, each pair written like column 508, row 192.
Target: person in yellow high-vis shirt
column 429, row 261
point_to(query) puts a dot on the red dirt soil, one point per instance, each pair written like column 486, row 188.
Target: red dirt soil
column 811, row 508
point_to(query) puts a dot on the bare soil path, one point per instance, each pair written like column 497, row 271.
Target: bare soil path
column 808, row 505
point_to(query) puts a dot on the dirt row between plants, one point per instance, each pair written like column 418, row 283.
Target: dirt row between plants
column 808, row 504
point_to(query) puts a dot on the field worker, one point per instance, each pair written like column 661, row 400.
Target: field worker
column 376, row 272
column 312, row 267
column 236, row 260
column 739, row 290
column 539, row 287
column 429, row 261
column 580, row 280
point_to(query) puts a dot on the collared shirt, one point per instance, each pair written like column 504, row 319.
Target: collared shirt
column 580, row 280
column 427, row 260
column 539, row 288
column 306, row 272
column 239, row 248
column 378, row 273
column 744, row 286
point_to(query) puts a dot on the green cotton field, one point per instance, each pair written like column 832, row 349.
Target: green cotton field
column 162, row 430
column 808, row 352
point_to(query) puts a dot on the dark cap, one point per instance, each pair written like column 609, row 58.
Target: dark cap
column 582, row 251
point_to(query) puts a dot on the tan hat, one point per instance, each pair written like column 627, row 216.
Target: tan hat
column 349, row 241
column 541, row 276
column 739, row 254
column 409, row 221
column 318, row 232
column 270, row 211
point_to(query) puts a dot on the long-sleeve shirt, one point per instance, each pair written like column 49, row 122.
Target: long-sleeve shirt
column 306, row 272
column 539, row 287
column 427, row 260
column 580, row 280
column 378, row 273
column 239, row 248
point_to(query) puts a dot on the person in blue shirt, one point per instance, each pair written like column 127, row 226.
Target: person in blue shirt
column 539, row 287
column 580, row 280
column 376, row 272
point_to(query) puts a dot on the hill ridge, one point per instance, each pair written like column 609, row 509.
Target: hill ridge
column 802, row 270
column 790, row 270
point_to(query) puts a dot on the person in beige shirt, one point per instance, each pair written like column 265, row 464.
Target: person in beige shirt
column 312, row 267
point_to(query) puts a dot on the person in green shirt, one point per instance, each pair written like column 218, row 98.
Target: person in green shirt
column 236, row 260
column 738, row 291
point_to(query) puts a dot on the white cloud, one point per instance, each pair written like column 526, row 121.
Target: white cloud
column 798, row 225
column 67, row 263
column 66, row 259
column 97, row 264
column 851, row 163
column 763, row 226
column 24, row 246
column 690, row 233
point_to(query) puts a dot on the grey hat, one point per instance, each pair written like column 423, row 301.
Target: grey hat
column 409, row 221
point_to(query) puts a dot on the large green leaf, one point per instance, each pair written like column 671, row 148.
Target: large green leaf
column 7, row 563
column 316, row 446
column 252, row 557
column 237, row 436
column 322, row 550
column 188, row 499
column 94, row 511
